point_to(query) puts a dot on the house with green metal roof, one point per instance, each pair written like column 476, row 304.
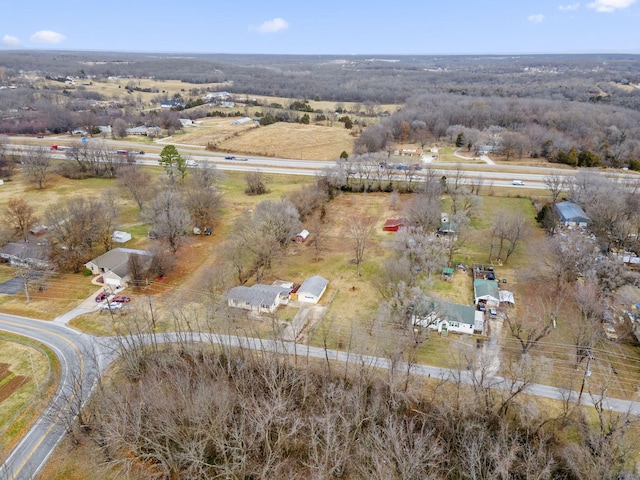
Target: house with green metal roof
column 449, row 317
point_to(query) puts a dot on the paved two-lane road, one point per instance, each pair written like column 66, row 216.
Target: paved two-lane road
column 86, row 357
column 78, row 354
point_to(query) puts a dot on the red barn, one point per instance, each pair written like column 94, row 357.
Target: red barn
column 393, row 224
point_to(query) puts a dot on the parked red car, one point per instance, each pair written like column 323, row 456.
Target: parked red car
column 120, row 299
column 101, row 297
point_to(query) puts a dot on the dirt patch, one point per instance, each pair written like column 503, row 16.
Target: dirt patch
column 9, row 387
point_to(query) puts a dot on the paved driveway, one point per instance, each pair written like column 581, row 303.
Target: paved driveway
column 16, row 284
column 12, row 287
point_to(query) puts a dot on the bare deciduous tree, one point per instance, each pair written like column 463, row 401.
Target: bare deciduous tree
column 37, row 164
column 556, row 184
column 506, row 234
column 360, row 228
column 203, row 205
column 77, row 226
column 19, row 214
column 256, row 183
column 170, row 217
column 137, row 182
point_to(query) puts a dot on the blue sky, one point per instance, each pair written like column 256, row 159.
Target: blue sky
column 339, row 27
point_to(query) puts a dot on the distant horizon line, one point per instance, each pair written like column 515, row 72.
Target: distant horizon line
column 346, row 55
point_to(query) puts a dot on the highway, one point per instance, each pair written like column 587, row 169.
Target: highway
column 496, row 175
column 83, row 358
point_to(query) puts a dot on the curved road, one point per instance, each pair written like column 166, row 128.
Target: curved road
column 84, row 358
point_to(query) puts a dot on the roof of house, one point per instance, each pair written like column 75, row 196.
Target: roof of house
column 570, row 212
column 140, row 129
column 483, row 288
column 25, row 251
column 258, row 294
column 117, row 260
column 457, row 313
column 303, row 234
column 314, row 285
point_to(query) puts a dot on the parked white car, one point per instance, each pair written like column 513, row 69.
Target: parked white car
column 111, row 306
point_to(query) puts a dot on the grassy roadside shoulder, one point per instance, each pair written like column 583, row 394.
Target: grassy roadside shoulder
column 23, row 407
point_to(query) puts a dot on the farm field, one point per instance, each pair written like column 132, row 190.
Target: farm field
column 282, row 140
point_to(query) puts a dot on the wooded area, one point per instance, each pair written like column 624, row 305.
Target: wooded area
column 575, row 109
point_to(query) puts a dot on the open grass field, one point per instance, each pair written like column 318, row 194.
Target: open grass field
column 293, row 140
column 27, row 372
column 283, row 140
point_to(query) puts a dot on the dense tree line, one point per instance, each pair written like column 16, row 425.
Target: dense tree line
column 546, row 104
column 357, row 78
column 575, row 133
column 191, row 411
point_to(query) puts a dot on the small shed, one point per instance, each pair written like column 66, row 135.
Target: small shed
column 121, row 237
column 39, row 230
column 506, row 297
column 393, row 224
column 302, row 236
column 447, row 274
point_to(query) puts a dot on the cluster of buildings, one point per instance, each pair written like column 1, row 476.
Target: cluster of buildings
column 261, row 298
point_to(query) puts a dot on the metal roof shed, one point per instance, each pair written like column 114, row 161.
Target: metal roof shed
column 571, row 214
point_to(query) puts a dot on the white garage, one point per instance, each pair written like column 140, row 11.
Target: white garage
column 312, row 289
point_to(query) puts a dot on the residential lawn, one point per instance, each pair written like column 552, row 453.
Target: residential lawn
column 6, row 272
column 63, row 292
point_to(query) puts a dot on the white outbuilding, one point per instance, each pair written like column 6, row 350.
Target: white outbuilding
column 121, row 237
column 312, row 289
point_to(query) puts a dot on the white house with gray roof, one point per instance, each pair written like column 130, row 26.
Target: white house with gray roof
column 312, row 289
column 114, row 265
column 258, row 298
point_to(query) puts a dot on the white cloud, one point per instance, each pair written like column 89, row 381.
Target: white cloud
column 569, row 8
column 11, row 41
column 272, row 26
column 608, row 6
column 47, row 36
column 536, row 18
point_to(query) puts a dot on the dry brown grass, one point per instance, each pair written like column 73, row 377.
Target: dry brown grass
column 284, row 140
column 292, row 140
column 19, row 410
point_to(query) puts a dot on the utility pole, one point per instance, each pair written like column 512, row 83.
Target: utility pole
column 153, row 318
column 587, row 373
